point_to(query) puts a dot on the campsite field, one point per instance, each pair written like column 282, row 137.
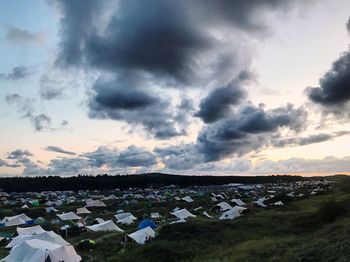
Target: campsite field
column 314, row 228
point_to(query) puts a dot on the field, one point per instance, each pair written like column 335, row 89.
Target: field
column 314, row 228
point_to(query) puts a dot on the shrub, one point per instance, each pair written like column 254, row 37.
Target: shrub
column 330, row 210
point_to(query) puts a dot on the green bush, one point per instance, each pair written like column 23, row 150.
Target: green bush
column 330, row 210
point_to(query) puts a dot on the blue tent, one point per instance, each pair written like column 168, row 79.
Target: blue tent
column 147, row 223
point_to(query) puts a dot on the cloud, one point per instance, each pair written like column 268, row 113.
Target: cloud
column 249, row 129
column 17, row 73
column 312, row 139
column 19, row 154
column 348, row 26
column 175, row 44
column 115, row 100
column 59, row 150
column 4, row 163
column 21, row 36
column 334, row 85
column 300, row 165
column 130, row 157
column 218, row 103
column 25, row 106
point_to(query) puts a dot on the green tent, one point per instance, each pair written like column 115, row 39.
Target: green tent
column 35, row 203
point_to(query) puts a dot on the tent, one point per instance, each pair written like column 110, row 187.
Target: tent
column 127, row 220
column 68, row 216
column 182, row 214
column 50, row 209
column 232, row 213
column 142, row 235
column 238, row 202
column 16, row 220
column 155, row 215
column 206, row 214
column 188, row 199
column 35, row 203
column 105, row 226
column 30, row 230
column 147, row 223
column 36, row 250
column 46, row 236
column 83, row 210
column 278, row 203
column 223, row 206
column 95, row 203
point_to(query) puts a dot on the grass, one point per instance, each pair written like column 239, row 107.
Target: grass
column 315, row 228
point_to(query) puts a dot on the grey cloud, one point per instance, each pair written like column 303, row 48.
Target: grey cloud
column 334, row 88
column 248, row 130
column 348, row 25
column 312, row 139
column 22, row 36
column 114, row 100
column 300, row 165
column 25, row 107
column 17, row 73
column 59, row 150
column 19, row 154
column 218, row 103
column 111, row 157
column 4, row 163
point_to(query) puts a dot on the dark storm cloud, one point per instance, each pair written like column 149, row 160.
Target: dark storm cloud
column 17, row 73
column 59, row 150
column 118, row 101
column 21, row 36
column 163, row 43
column 218, row 103
column 334, row 89
column 248, row 130
column 164, row 40
column 25, row 107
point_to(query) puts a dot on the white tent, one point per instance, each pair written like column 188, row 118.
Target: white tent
column 99, row 220
column 105, row 226
column 30, row 230
column 122, row 215
column 15, row 220
column 36, row 250
column 25, row 206
column 46, row 236
column 188, row 199
column 83, row 210
column 223, row 206
column 126, row 220
column 178, row 221
column 68, row 216
column 155, row 215
column 50, row 209
column 95, row 203
column 232, row 213
column 142, row 235
column 206, row 214
column 260, row 202
column 182, row 214
column 238, row 202
column 278, row 203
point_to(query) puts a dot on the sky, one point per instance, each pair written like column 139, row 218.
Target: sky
column 186, row 87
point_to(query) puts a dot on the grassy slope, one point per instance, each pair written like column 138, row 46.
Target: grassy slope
column 298, row 231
